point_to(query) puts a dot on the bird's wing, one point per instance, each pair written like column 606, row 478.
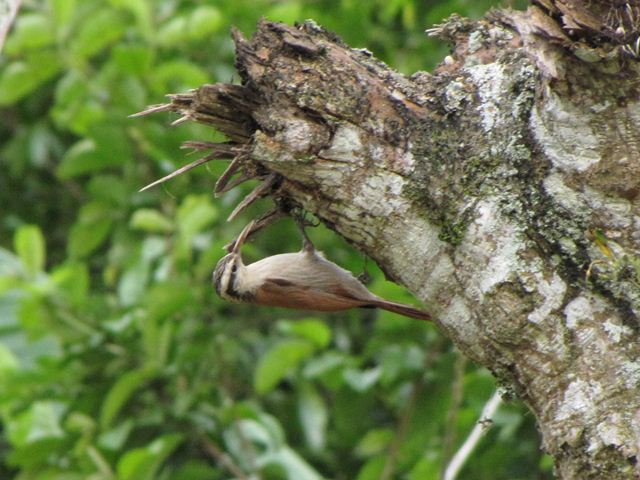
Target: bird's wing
column 283, row 293
column 280, row 292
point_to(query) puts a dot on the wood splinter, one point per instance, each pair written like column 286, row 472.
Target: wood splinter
column 265, row 220
column 179, row 171
column 220, row 151
column 162, row 107
column 223, row 185
column 257, row 193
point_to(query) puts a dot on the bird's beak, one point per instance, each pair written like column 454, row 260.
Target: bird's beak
column 242, row 237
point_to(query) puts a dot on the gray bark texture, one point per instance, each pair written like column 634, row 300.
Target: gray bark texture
column 503, row 190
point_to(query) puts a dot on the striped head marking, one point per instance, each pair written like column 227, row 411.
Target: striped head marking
column 224, row 277
column 230, row 271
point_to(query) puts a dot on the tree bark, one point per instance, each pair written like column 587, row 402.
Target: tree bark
column 503, row 190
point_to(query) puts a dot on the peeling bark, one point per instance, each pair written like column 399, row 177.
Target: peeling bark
column 503, row 190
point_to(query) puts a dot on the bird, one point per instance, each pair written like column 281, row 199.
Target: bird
column 303, row 280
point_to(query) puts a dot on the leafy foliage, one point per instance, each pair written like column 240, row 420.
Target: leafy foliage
column 116, row 358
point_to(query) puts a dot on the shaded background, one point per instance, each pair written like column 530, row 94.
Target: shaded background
column 117, row 360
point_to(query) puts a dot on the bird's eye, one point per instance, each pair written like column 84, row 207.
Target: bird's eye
column 234, row 267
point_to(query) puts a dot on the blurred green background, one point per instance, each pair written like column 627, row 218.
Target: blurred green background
column 117, row 360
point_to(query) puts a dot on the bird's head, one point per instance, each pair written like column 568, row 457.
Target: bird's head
column 228, row 274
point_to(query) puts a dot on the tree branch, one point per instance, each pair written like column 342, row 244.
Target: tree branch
column 481, row 428
column 488, row 189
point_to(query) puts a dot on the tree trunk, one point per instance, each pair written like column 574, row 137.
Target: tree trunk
column 503, row 190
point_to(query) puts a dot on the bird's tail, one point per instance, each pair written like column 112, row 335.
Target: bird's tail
column 406, row 310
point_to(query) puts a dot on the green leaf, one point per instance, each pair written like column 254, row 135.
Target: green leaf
column 313, row 330
column 43, row 143
column 143, row 463
column 10, row 265
column 362, row 380
column 133, row 282
column 150, row 220
column 194, row 469
column 328, row 368
column 429, row 466
column 31, row 31
column 287, row 12
column 546, row 463
column 397, row 359
column 204, row 21
column 35, row 455
column 278, row 361
column 8, row 362
column 267, row 438
column 107, row 147
column 195, row 213
column 72, row 280
column 90, row 230
column 179, row 74
column 143, row 11
column 293, row 464
column 129, row 93
column 115, row 438
column 40, row 421
column 120, row 393
column 98, row 30
column 162, row 301
column 313, row 415
column 109, row 189
column 133, row 59
column 375, row 442
column 78, row 422
column 251, row 430
column 29, row 244
column 74, row 108
column 62, row 11
column 22, row 77
column 372, row 470
column 35, row 318
column 274, row 428
column 173, row 32
column 78, row 159
column 330, row 361
column 165, row 299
